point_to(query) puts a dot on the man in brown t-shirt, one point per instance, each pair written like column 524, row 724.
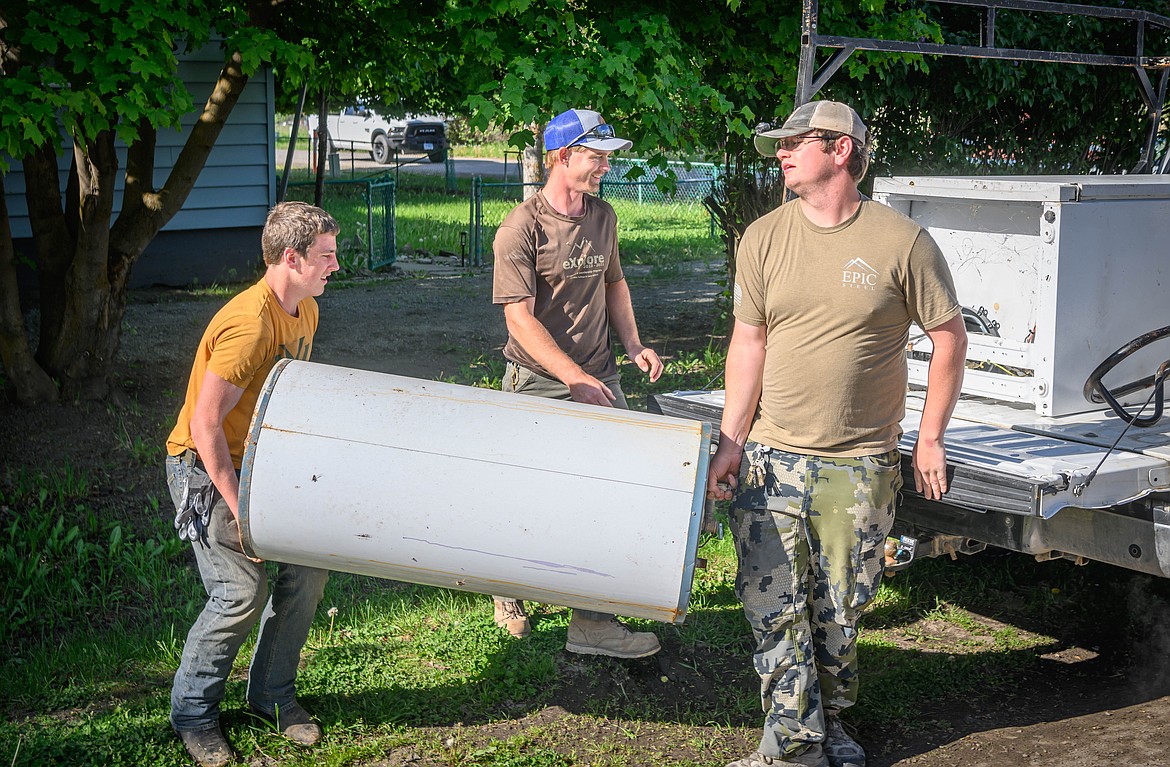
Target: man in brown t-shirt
column 826, row 289
column 560, row 281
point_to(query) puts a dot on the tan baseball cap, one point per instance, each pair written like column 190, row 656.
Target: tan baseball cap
column 815, row 115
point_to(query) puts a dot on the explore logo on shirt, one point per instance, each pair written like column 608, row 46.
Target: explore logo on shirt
column 859, row 275
column 583, row 261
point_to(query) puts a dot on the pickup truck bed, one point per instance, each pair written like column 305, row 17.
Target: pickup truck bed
column 1017, row 482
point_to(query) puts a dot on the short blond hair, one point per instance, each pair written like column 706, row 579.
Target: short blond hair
column 294, row 225
column 553, row 156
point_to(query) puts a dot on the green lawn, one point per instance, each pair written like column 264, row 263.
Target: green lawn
column 97, row 610
column 430, row 219
column 96, row 626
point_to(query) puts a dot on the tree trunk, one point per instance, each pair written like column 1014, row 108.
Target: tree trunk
column 53, row 232
column 322, row 145
column 84, row 263
column 67, row 350
column 532, row 161
column 32, row 384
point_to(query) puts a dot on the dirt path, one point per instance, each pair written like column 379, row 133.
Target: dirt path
column 1100, row 715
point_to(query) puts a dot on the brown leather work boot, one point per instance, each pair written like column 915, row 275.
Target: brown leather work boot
column 207, row 747
column 293, row 722
column 611, row 637
column 510, row 615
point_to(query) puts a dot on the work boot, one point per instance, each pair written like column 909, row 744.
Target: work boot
column 293, row 722
column 610, row 637
column 510, row 615
column 813, row 756
column 207, row 747
column 840, row 749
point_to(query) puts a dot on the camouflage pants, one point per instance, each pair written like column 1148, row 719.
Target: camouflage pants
column 810, row 534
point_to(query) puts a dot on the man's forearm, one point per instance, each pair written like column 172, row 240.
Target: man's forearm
column 742, row 385
column 534, row 338
column 212, row 447
column 944, row 379
column 216, row 399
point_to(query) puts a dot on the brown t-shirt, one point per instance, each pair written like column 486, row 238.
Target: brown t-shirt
column 244, row 340
column 837, row 303
column 564, row 263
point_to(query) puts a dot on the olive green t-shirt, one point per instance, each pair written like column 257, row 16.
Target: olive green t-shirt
column 241, row 345
column 837, row 304
column 564, row 263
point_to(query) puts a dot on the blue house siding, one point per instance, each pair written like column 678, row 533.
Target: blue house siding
column 230, row 199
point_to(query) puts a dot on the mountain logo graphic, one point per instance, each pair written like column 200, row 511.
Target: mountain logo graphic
column 858, row 274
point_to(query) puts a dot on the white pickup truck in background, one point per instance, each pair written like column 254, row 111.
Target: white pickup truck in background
column 358, row 128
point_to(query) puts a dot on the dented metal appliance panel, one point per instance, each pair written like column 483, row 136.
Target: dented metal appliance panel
column 473, row 489
column 1065, row 270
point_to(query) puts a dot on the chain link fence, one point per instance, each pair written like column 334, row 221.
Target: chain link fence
column 634, row 179
column 682, row 198
column 365, row 208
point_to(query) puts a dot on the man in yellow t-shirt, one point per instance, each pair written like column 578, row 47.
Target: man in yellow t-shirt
column 826, row 289
column 273, row 319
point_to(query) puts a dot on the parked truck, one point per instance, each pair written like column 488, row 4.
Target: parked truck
column 360, row 128
column 1058, row 447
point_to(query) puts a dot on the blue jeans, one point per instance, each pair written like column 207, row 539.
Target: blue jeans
column 237, row 598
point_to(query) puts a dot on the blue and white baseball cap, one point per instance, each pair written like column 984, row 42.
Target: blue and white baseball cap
column 582, row 127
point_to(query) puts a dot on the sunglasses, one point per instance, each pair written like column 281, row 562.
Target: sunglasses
column 604, row 130
column 792, row 143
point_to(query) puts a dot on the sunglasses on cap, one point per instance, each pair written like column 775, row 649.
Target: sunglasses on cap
column 604, row 130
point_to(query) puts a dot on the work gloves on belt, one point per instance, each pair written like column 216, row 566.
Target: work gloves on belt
column 194, row 512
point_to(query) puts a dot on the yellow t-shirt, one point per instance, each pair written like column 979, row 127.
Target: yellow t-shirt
column 244, row 340
column 837, row 304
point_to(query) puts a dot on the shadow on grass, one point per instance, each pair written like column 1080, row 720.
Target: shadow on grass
column 1001, row 641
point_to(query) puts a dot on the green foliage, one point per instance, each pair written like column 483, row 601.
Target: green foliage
column 949, row 115
column 143, row 450
column 64, row 565
column 527, row 61
column 685, row 371
column 90, row 69
column 485, row 371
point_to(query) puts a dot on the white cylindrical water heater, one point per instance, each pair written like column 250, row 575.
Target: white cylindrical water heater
column 474, row 489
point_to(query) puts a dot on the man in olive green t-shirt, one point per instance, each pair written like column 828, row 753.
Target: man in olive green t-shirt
column 826, row 289
column 559, row 279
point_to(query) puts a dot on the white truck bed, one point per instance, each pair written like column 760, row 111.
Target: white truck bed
column 1011, row 460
